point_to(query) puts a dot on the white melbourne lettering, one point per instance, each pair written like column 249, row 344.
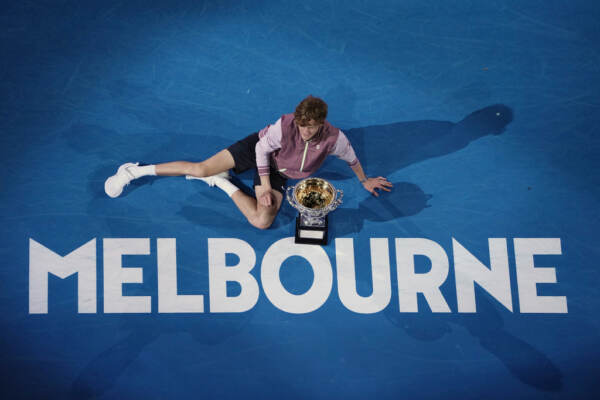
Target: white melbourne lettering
column 468, row 270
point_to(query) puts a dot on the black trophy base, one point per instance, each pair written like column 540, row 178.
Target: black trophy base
column 311, row 234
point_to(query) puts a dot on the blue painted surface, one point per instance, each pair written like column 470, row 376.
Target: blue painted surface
column 86, row 86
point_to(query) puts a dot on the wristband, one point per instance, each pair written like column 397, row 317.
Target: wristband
column 364, row 180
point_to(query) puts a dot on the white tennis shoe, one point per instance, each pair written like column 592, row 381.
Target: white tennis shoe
column 114, row 185
column 211, row 180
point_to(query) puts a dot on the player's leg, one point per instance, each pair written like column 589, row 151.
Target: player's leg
column 219, row 163
column 266, row 215
column 257, row 215
column 222, row 161
column 239, row 156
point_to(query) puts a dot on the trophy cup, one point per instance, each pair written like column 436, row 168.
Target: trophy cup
column 314, row 198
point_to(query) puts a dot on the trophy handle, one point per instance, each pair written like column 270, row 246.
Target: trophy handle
column 288, row 194
column 340, row 196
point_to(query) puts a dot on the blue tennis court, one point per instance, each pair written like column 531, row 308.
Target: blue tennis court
column 474, row 278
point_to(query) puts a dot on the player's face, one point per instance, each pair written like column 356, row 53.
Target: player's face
column 310, row 129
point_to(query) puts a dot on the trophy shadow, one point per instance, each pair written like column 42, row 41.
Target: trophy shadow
column 405, row 199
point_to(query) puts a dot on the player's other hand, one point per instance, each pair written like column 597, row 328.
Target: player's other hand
column 372, row 185
column 264, row 195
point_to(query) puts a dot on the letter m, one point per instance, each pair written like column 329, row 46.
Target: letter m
column 43, row 261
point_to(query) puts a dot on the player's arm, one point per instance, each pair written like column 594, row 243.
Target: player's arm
column 371, row 184
column 343, row 150
column 269, row 141
column 264, row 191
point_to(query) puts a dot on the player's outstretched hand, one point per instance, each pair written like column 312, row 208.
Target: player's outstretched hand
column 374, row 184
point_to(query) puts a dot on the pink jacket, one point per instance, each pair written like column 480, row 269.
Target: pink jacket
column 282, row 144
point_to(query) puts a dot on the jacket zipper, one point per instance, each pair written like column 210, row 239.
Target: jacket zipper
column 304, row 155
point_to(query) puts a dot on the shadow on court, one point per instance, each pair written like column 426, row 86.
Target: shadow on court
column 385, row 149
column 522, row 360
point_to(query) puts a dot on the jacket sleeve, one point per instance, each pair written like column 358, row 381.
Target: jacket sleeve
column 344, row 151
column 269, row 140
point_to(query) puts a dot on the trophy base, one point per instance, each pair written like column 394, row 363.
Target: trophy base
column 311, row 234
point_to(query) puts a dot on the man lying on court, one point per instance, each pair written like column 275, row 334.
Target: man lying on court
column 292, row 148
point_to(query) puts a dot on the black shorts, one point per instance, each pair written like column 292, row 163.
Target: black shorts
column 244, row 155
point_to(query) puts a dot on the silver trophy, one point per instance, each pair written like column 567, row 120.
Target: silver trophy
column 314, row 198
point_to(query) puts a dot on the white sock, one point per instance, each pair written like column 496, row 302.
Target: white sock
column 139, row 171
column 226, row 186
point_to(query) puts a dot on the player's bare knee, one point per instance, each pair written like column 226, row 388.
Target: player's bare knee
column 263, row 224
column 197, row 169
column 262, row 221
column 253, row 219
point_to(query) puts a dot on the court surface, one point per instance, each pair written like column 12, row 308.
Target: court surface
column 483, row 114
